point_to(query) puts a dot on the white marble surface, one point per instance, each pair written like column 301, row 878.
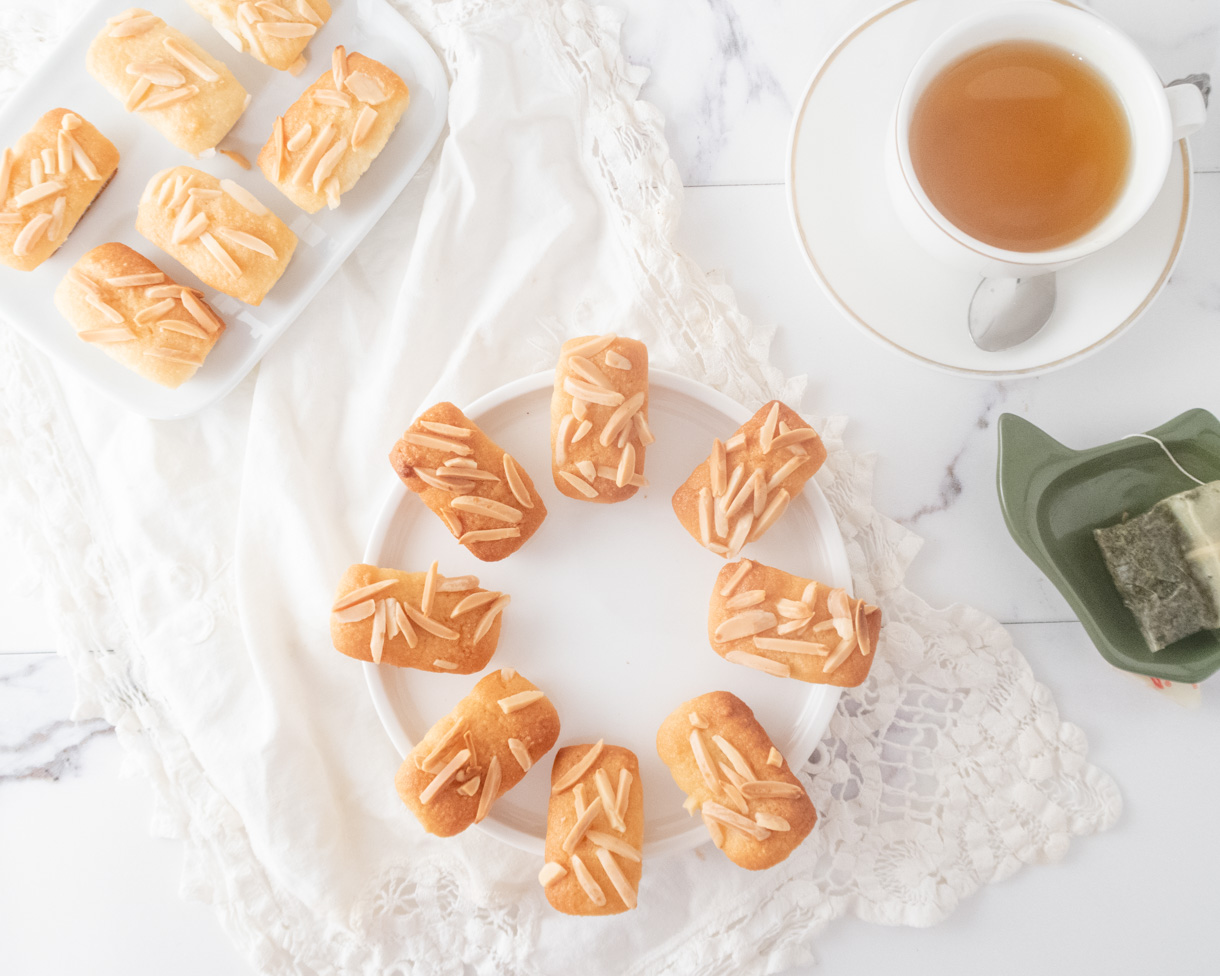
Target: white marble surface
column 727, row 73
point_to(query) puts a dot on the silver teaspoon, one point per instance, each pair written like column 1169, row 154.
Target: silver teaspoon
column 1005, row 312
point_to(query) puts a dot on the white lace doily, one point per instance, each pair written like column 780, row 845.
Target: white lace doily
column 948, row 769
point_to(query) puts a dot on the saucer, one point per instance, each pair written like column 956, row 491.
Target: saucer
column 887, row 284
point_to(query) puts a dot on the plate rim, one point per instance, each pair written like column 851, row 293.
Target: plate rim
column 815, row 726
column 880, row 337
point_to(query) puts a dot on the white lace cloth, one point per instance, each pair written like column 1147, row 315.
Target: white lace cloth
column 184, row 563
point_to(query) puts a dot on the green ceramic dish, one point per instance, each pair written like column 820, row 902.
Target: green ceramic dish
column 1053, row 497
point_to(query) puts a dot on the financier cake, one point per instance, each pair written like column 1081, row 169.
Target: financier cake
column 477, row 753
column 416, row 620
column 599, row 418
column 755, row 809
column 594, row 830
column 275, row 33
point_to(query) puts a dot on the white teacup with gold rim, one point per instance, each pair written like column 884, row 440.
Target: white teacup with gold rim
column 1029, row 136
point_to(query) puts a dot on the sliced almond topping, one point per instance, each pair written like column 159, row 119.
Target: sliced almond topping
column 281, row 150
column 109, row 311
column 437, row 443
column 734, row 795
column 839, row 604
column 31, row 234
column 188, row 226
column 328, row 96
column 491, row 788
column 718, row 549
column 362, row 593
column 744, row 625
column 615, row 844
column 733, row 754
column 39, row 192
column 591, row 393
column 724, row 815
column 237, row 157
column 377, row 642
column 583, row 430
column 609, row 473
column 489, row 617
column 766, row 434
column 457, row 584
column 738, row 575
column 731, row 508
column 158, row 72
column 434, row 627
column 771, row 821
column 785, row 470
column 772, row 789
column 36, row 172
column 307, row 11
column 361, row 611
column 580, row 409
column 300, row 137
column 326, row 165
column 141, row 88
column 522, row 699
column 561, row 438
column 746, row 598
column 277, row 28
column 760, row 492
column 248, row 241
column 793, row 437
column 617, row 360
column 199, row 312
column 521, row 753
column 774, row 758
column 587, row 469
column 605, row 792
column 106, row 336
column 717, row 465
column 579, row 484
column 220, row 254
column 58, row 209
column 587, row 370
column 317, row 149
column 85, row 282
column 246, row 199
column 63, row 155
column 184, row 57
column 366, row 88
column 182, row 188
column 622, row 798
column 470, row 787
column 473, row 602
column 452, row 485
column 776, row 668
column 591, row 887
column 338, row 66
column 775, row 508
column 489, row 535
column 135, row 280
column 617, row 878
column 730, row 490
column 6, row 173
column 578, row 796
column 626, row 467
column 403, row 623
column 391, row 618
column 550, row 873
column 735, row 778
column 715, row 831
column 133, row 26
column 704, row 761
column 621, row 418
column 432, row 761
column 69, row 121
column 441, row 779
column 170, row 290
column 570, row 778
column 577, row 833
column 840, row 654
column 705, row 516
column 48, row 161
column 592, row 346
column 789, row 627
column 170, row 97
column 477, row 505
column 425, row 603
column 364, row 124
column 690, row 805
column 643, row 431
column 792, row 609
column 444, row 665
column 515, row 483
column 157, row 311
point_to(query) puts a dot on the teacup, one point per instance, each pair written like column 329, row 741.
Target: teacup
column 1156, row 116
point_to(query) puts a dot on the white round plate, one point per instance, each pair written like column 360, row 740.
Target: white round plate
column 881, row 279
column 609, row 611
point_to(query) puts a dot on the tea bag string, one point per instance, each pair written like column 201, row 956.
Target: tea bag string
column 1161, row 444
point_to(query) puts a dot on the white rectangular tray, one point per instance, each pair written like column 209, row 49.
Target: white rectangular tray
column 371, row 27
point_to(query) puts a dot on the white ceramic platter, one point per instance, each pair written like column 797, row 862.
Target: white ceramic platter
column 609, row 609
column 371, row 27
column 881, row 279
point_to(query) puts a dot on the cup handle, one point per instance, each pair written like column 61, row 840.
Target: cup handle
column 1187, row 109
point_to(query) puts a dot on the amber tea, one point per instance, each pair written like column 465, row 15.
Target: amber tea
column 1022, row 145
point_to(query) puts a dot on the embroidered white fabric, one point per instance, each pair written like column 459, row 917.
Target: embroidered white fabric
column 184, row 562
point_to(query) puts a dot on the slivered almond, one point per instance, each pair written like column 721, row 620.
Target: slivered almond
column 135, row 280
column 184, row 57
column 85, row 282
column 31, row 234
column 189, row 225
column 278, row 28
column 734, row 777
column 366, row 88
column 626, row 467
column 457, row 584
column 473, row 602
column 766, row 434
column 738, row 575
column 137, row 91
column 522, row 699
column 182, row 188
column 452, row 485
column 377, row 641
column 403, row 622
column 81, row 159
column 561, row 438
column 760, row 492
column 690, row 805
column 220, row 254
column 521, row 754
column 738, row 500
column 441, row 779
column 422, row 439
column 277, row 137
column 63, row 156
column 577, row 833
column 794, row 437
column 237, row 157
column 364, row 124
column 470, row 787
column 585, row 879
column 170, row 97
column 109, row 311
column 578, row 797
column 477, row 505
column 362, row 593
column 744, row 625
column 746, row 598
column 174, row 356
column 39, row 192
column 55, row 230
column 609, row 473
column 70, row 121
column 515, row 483
column 106, row 336
column 734, row 756
column 158, row 72
column 717, row 468
column 587, row 370
column 793, row 626
column 570, row 778
column 550, row 873
column 36, row 173
column 771, row 821
column 727, row 817
column 328, row 96
column 735, row 797
column 643, row 431
column 761, row 789
column 300, row 137
column 792, row 609
column 317, row 149
column 133, row 26
column 491, row 789
column 759, row 663
column 704, row 761
column 715, row 831
column 621, row 417
column 605, row 791
column 199, row 312
column 774, row 758
column 429, row 594
column 338, row 66
column 442, row 745
column 617, row 360
column 622, row 798
column 434, row 627
column 787, row 468
column 444, row 665
column 48, row 161
column 326, row 165
column 489, row 535
column 180, row 327
column 592, row 346
column 617, row 878
column 391, row 618
column 455, row 462
column 579, row 484
column 615, row 844
column 583, row 430
column 157, row 311
column 697, row 720
column 840, row 654
column 245, row 198
column 705, row 516
column 248, row 241
column 775, row 508
column 591, row 393
column 730, row 489
column 489, row 616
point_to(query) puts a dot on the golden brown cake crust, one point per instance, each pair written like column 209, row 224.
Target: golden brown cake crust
column 617, row 369
column 354, row 622
column 280, row 35
column 535, row 726
column 728, row 716
column 151, row 311
column 566, row 892
column 762, row 599
column 59, row 136
column 335, row 146
column 426, row 450
column 185, row 93
column 727, row 504
column 189, row 213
